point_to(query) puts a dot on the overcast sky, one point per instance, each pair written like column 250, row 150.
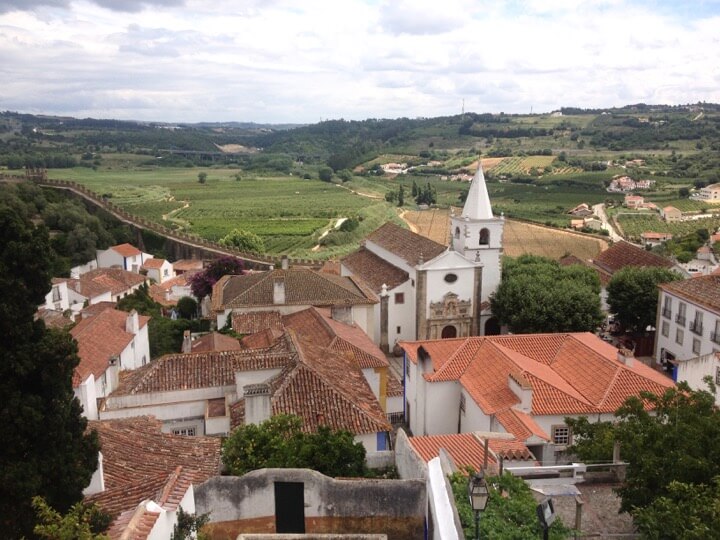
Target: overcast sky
column 300, row 61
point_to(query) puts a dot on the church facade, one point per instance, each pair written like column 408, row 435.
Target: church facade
column 428, row 290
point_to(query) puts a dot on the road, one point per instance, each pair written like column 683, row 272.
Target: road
column 599, row 211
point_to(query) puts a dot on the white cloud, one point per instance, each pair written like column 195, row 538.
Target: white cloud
column 283, row 61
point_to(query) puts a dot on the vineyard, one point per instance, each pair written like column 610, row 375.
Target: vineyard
column 634, row 225
column 522, row 165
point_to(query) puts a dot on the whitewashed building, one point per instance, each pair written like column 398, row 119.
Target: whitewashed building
column 125, row 256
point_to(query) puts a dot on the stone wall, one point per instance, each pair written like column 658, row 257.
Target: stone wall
column 246, row 504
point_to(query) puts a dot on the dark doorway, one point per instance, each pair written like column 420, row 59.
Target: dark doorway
column 492, row 327
column 448, row 332
column 289, row 507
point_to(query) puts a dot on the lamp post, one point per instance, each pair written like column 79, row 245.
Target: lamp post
column 478, row 493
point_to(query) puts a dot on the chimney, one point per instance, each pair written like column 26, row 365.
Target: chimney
column 522, row 389
column 279, row 290
column 186, row 342
column 257, row 403
column 625, row 356
column 132, row 323
column 284, row 262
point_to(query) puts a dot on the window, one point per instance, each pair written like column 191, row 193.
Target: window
column 484, row 237
column 715, row 336
column 186, row 431
column 398, row 328
column 667, row 308
column 696, row 346
column 561, row 435
column 462, row 403
column 399, row 298
column 407, row 368
column 450, row 278
column 457, row 232
column 717, row 375
column 697, row 325
column 679, row 336
column 665, row 328
column 56, row 294
column 680, row 318
column 166, row 273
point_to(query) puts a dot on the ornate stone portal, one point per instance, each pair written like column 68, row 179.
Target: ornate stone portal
column 451, row 317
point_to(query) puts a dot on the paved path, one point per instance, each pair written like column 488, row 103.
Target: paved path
column 599, row 210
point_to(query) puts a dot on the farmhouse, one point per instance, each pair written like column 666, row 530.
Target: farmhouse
column 581, row 210
column 671, row 214
column 651, row 238
column 159, row 270
column 525, row 385
column 125, row 256
column 710, row 193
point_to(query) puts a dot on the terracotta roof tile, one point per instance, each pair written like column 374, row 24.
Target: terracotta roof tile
column 468, row 449
column 87, row 287
column 302, row 287
column 256, row 321
column 126, row 250
column 520, row 424
column 215, row 341
column 701, row 290
column 374, row 270
column 622, row 254
column 114, row 279
column 140, row 463
column 394, row 386
column 99, row 337
column 568, row 373
column 407, row 245
column 154, row 263
column 185, row 265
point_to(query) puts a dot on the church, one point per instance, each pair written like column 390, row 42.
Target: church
column 428, row 290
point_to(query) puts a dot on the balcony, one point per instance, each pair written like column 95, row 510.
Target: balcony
column 680, row 319
column 396, row 418
column 715, row 337
column 696, row 327
column 667, row 313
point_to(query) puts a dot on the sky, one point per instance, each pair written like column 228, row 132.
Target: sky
column 302, row 61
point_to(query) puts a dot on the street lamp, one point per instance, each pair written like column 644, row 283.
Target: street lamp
column 478, row 493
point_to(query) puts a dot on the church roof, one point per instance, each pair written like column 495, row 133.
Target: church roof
column 375, row 270
column 409, row 246
column 477, row 204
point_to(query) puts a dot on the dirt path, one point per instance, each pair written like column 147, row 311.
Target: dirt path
column 368, row 195
column 410, row 224
column 168, row 216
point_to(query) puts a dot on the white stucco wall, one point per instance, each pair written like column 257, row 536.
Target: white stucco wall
column 400, row 315
column 474, row 418
column 368, row 440
column 79, row 270
column 109, row 258
column 86, row 394
column 684, row 350
column 693, row 372
column 373, row 379
column 163, row 527
column 58, row 299
column 141, row 350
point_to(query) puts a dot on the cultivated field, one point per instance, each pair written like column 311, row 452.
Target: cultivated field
column 634, row 225
column 518, row 237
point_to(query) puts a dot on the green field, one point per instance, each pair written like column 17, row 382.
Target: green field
column 634, row 225
column 288, row 212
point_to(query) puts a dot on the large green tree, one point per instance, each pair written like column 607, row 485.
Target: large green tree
column 539, row 295
column 244, row 241
column 280, row 442
column 633, row 295
column 46, row 448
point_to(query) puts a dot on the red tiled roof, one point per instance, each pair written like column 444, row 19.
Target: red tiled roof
column 568, row 373
column 87, row 288
column 407, row 245
column 302, row 287
column 256, row 321
column 184, row 265
column 374, row 270
column 701, row 290
column 140, row 462
column 126, row 250
column 394, row 386
column 154, row 263
column 520, row 424
column 468, row 449
column 114, row 279
column 622, row 254
column 215, row 341
column 99, row 337
column 262, row 340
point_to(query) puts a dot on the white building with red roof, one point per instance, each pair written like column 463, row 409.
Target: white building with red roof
column 159, row 270
column 525, row 385
column 125, row 256
column 109, row 341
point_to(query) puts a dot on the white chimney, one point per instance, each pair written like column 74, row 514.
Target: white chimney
column 186, row 342
column 523, row 390
column 279, row 290
column 625, row 356
column 284, row 262
column 257, row 403
column 132, row 323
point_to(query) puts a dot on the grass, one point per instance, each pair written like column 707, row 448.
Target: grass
column 634, row 225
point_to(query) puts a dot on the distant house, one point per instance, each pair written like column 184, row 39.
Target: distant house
column 633, row 201
column 581, row 210
column 159, row 270
column 671, row 214
column 125, row 256
column 84, row 291
column 144, row 476
column 577, row 223
column 170, row 291
column 109, row 341
column 651, row 238
column 191, row 266
column 688, row 320
column 525, row 385
column 710, row 193
column 58, row 299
